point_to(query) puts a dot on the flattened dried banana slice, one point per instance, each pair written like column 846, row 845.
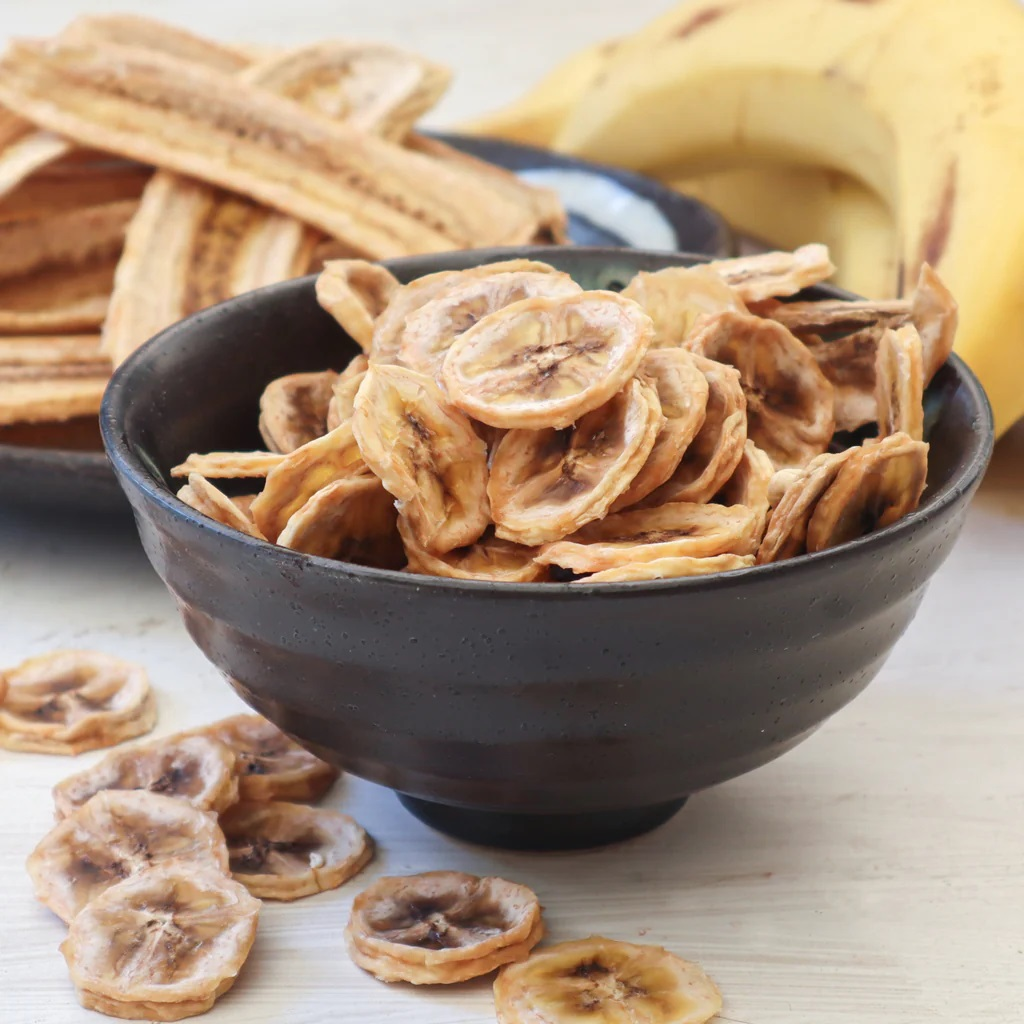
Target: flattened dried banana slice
column 50, row 400
column 490, row 558
column 355, row 293
column 838, row 314
column 442, row 927
column 546, row 484
column 642, row 535
column 790, row 413
column 877, row 485
column 545, row 362
column 899, row 383
column 213, row 503
column 162, row 945
column 431, row 331
column 769, row 275
column 427, row 455
column 676, row 297
column 849, row 365
column 670, row 568
column 269, row 765
column 683, row 395
column 600, row 978
column 116, row 834
column 284, row 851
column 749, row 486
column 196, row 769
column 293, row 409
column 68, row 702
column 229, row 465
column 346, row 387
column 935, row 314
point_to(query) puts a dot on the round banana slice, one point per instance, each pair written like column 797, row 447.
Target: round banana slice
column 116, row 834
column 546, row 362
column 196, row 769
column 387, row 331
column 352, row 520
column 602, row 979
column 877, row 485
column 430, row 332
column 68, row 702
column 642, row 535
column 546, row 484
column 162, row 945
column 849, row 365
column 749, row 485
column 712, row 456
column 442, row 927
column 343, row 392
column 790, row 413
column 213, row 503
column 427, row 455
column 676, row 297
column 303, row 472
column 355, row 293
column 269, row 765
column 899, row 383
column 293, row 410
column 670, row 568
column 283, row 851
column 683, row 396
column 490, row 558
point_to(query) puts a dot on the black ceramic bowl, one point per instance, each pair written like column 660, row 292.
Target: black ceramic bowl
column 530, row 715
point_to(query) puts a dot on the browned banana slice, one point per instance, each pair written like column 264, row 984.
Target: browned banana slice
column 642, row 535
column 899, row 383
column 683, row 395
column 490, row 558
column 427, row 455
column 39, row 350
column 603, row 979
column 243, row 502
column 269, row 765
column 302, row 473
column 50, row 400
column 786, row 535
column 24, row 151
column 346, row 387
column 712, row 456
column 790, row 413
column 670, row 568
column 849, row 365
column 935, row 314
column 781, row 481
column 442, row 927
column 769, row 275
column 840, row 314
column 196, row 769
column 547, row 362
column 229, row 465
column 749, row 485
column 116, row 834
column 213, row 503
column 355, row 293
column 431, row 331
column 546, row 484
column 283, row 851
column 676, row 297
column 162, row 945
column 352, row 520
column 877, row 485
column 293, row 409
column 68, row 702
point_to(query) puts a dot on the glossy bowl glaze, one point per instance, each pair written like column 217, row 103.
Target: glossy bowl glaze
column 522, row 715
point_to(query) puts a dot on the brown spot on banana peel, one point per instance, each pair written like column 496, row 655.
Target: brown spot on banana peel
column 936, row 234
column 701, row 20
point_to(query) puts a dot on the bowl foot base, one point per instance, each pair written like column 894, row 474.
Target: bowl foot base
column 512, row 831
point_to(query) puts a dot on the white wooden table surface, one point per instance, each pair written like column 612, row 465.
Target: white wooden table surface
column 874, row 874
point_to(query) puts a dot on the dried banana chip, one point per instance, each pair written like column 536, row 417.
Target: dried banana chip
column 196, row 769
column 670, row 568
column 346, row 387
column 749, row 485
column 355, row 293
column 283, row 851
column 206, row 499
column 546, row 484
column 68, row 702
column 24, row 151
column 41, row 350
column 676, row 297
column 442, row 927
column 840, row 314
column 353, row 520
column 934, row 313
column 607, row 980
column 162, row 945
column 769, row 275
column 293, row 409
column 546, row 362
column 116, row 834
column 790, row 412
column 243, row 502
column 642, row 535
column 426, row 454
column 269, row 765
column 229, row 465
column 50, row 400
column 878, row 484
column 490, row 558
column 58, row 299
column 781, row 481
column 849, row 365
column 899, row 377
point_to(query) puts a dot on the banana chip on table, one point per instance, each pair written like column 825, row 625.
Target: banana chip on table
column 899, row 383
column 346, row 386
column 71, row 701
column 293, row 409
column 490, row 558
column 442, row 927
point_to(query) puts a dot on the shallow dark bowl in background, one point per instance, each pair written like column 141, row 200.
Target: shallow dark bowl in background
column 532, row 715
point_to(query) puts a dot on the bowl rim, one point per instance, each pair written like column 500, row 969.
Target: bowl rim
column 128, row 466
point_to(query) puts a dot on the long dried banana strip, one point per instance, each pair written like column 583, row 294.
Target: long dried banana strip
column 377, row 197
column 57, row 300
column 230, row 465
column 41, row 401
column 24, row 150
column 74, row 183
column 50, row 350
